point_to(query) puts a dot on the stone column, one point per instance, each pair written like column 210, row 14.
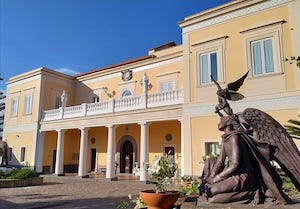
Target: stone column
column 82, row 170
column 59, row 164
column 182, row 148
column 144, row 150
column 39, row 152
column 186, row 147
column 110, row 165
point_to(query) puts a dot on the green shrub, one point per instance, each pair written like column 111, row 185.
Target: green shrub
column 2, row 175
column 22, row 174
column 288, row 186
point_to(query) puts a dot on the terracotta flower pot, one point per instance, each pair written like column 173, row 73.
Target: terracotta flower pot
column 159, row 200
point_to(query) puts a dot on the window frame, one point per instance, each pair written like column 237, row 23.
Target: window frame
column 217, row 147
column 28, row 99
column 272, row 31
column 167, row 78
column 57, row 102
column 209, row 66
column 217, row 45
column 23, row 154
column 125, row 96
column 172, row 146
column 9, row 154
column 169, row 83
column 14, row 106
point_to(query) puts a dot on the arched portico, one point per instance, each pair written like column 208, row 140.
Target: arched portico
column 126, row 155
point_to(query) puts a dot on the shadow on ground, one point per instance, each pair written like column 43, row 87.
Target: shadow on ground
column 92, row 203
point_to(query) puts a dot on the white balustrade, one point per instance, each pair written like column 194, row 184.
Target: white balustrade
column 73, row 111
column 128, row 103
column 124, row 104
column 51, row 114
column 165, row 98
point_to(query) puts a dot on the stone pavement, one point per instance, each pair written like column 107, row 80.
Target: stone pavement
column 72, row 192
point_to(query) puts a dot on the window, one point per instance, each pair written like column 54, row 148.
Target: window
column 262, row 56
column 9, row 154
column 14, row 107
column 170, row 152
column 126, row 93
column 212, row 148
column 263, row 49
column 208, row 66
column 28, row 104
column 166, row 86
column 209, row 58
column 22, row 157
column 57, row 102
column 96, row 99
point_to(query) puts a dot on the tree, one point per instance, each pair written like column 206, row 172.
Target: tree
column 2, row 107
column 293, row 128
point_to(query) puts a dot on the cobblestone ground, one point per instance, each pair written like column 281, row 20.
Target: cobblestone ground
column 72, row 192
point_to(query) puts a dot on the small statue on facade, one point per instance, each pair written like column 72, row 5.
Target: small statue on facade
column 145, row 83
column 64, row 98
column 243, row 170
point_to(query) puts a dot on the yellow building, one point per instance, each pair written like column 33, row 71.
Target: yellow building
column 128, row 113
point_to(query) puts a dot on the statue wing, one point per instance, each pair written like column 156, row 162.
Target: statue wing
column 234, row 96
column 218, row 85
column 234, row 86
column 282, row 148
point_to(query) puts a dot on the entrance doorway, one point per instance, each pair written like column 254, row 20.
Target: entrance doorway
column 126, row 157
column 93, row 159
column 53, row 160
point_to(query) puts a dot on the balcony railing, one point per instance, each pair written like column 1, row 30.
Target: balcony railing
column 116, row 105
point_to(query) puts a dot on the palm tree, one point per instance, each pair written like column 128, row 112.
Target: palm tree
column 293, row 128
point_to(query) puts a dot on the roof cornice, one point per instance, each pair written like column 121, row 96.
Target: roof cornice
column 222, row 13
column 111, row 67
column 38, row 72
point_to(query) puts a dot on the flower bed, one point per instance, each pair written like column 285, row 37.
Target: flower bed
column 11, row 177
column 6, row 183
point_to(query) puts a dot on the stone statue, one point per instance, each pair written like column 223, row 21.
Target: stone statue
column 3, row 153
column 243, row 171
column 145, row 83
column 64, row 98
column 228, row 93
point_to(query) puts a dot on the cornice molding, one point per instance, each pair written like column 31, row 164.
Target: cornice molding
column 134, row 70
column 228, row 15
column 272, row 104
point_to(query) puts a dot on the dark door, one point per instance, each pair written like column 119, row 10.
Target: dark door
column 93, row 159
column 126, row 161
column 53, row 160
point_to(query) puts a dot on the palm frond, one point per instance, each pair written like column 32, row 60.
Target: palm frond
column 293, row 128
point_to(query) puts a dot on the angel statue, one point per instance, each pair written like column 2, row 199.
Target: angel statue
column 243, row 170
column 229, row 93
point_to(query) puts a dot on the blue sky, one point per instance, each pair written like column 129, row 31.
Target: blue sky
column 82, row 35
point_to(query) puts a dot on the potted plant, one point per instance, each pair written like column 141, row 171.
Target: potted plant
column 162, row 173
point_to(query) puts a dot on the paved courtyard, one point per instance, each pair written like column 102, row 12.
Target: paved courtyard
column 73, row 192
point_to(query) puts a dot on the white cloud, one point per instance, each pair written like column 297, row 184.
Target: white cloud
column 67, row 71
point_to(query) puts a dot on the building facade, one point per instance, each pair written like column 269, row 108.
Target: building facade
column 121, row 116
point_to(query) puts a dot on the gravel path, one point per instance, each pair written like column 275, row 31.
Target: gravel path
column 73, row 192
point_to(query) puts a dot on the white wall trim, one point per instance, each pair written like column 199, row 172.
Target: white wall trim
column 26, row 80
column 235, row 14
column 20, row 128
column 282, row 103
